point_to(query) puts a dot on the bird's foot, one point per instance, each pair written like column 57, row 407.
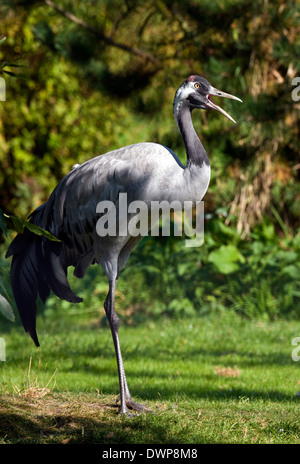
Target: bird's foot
column 132, row 405
column 136, row 406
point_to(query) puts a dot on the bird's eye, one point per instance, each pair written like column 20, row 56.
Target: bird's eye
column 196, row 85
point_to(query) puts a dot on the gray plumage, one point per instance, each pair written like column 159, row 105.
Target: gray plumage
column 144, row 171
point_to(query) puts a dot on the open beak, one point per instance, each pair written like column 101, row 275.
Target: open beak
column 211, row 104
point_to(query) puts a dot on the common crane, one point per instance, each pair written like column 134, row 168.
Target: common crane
column 145, row 172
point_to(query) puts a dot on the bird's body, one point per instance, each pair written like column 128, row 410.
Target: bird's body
column 145, row 172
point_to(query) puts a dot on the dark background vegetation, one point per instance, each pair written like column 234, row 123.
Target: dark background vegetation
column 86, row 77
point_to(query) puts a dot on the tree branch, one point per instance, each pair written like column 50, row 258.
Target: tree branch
column 98, row 33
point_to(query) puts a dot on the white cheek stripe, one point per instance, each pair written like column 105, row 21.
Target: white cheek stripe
column 184, row 91
column 182, row 94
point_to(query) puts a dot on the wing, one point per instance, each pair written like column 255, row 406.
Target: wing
column 70, row 213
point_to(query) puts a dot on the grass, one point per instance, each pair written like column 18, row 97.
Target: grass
column 216, row 379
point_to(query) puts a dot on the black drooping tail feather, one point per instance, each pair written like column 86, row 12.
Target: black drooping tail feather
column 36, row 269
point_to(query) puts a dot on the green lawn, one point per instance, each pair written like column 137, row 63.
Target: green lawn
column 216, row 379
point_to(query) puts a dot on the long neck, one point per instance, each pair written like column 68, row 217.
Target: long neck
column 195, row 151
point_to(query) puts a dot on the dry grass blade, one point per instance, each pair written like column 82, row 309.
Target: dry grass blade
column 31, row 387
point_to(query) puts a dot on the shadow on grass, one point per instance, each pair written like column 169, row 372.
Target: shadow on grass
column 38, row 425
column 57, row 420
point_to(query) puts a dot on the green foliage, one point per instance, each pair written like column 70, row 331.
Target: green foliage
column 18, row 225
column 226, row 259
column 5, row 306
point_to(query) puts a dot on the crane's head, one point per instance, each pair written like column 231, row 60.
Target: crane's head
column 197, row 92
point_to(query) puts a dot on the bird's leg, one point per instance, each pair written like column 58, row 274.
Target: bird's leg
column 125, row 397
column 113, row 320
